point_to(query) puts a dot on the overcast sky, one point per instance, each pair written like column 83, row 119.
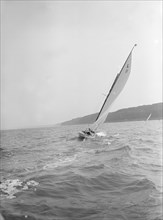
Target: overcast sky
column 60, row 57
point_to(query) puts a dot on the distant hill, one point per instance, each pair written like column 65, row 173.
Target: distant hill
column 139, row 113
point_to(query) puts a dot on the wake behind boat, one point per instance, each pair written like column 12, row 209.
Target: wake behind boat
column 114, row 91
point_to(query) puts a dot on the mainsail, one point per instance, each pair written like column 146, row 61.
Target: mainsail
column 115, row 90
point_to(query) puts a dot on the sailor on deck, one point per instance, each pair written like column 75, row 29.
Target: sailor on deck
column 89, row 132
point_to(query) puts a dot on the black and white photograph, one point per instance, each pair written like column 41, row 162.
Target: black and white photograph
column 81, row 110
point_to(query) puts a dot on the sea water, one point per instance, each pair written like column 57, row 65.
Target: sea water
column 48, row 174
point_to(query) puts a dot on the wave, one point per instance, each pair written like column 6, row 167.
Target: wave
column 138, row 185
column 59, row 163
column 145, row 149
column 93, row 167
column 151, row 167
column 143, row 140
column 125, row 148
column 102, row 181
column 5, row 153
column 82, row 180
column 124, row 151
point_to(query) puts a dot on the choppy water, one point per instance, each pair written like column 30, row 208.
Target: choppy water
column 47, row 173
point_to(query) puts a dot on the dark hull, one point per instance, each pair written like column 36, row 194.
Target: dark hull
column 83, row 136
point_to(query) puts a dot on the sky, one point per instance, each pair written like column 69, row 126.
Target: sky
column 60, row 58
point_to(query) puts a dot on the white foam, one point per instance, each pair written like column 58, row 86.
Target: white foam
column 116, row 135
column 32, row 183
column 12, row 186
column 101, row 134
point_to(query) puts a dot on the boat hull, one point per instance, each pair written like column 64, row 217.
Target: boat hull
column 83, row 136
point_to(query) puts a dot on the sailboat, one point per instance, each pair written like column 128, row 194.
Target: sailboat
column 115, row 90
column 148, row 117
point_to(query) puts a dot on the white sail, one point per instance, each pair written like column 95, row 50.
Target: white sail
column 115, row 90
column 148, row 117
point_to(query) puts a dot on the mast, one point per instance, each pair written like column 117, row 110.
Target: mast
column 114, row 83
